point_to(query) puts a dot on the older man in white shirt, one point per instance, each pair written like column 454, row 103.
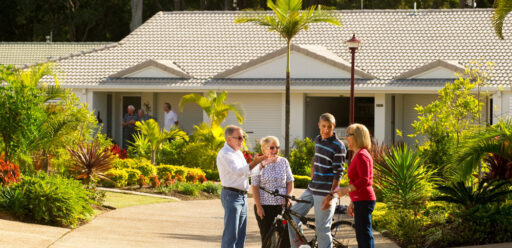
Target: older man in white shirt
column 234, row 175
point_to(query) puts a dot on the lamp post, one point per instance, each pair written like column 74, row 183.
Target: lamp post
column 352, row 44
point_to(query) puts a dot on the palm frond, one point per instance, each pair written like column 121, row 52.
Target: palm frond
column 502, row 8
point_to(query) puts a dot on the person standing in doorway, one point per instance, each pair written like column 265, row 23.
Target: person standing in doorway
column 326, row 173
column 143, row 116
column 170, row 118
column 234, row 174
column 129, row 120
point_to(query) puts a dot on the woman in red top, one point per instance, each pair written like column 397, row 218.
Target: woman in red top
column 360, row 174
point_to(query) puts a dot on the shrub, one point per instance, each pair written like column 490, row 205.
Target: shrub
column 133, row 176
column 48, row 199
column 180, row 171
column 155, row 182
column 191, row 177
column 211, row 188
column 212, row 175
column 118, row 178
column 301, row 181
column 469, row 196
column 91, row 161
column 142, row 181
column 201, row 178
column 301, row 156
column 179, row 178
column 119, row 152
column 172, row 152
column 144, row 166
column 9, row 172
column 402, row 179
column 163, row 169
column 188, row 189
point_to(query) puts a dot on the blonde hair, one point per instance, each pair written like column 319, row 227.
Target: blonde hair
column 264, row 142
column 361, row 135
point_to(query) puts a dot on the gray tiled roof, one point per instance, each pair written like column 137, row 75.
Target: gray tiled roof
column 22, row 53
column 205, row 44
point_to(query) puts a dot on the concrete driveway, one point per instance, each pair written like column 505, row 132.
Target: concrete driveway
column 175, row 224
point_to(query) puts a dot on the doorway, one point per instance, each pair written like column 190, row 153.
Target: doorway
column 339, row 107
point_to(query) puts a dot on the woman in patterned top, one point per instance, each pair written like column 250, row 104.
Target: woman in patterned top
column 276, row 175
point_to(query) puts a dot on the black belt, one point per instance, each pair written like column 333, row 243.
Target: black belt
column 243, row 192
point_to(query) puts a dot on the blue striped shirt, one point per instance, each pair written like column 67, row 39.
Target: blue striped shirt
column 327, row 164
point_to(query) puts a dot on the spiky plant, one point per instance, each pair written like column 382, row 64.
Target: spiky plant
column 470, row 196
column 502, row 8
column 91, row 161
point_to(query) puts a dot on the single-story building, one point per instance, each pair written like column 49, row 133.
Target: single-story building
column 406, row 56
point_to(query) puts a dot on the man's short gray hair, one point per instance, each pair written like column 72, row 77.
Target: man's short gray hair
column 230, row 129
column 131, row 107
column 328, row 117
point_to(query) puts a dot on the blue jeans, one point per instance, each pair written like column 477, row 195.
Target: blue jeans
column 323, row 219
column 363, row 219
column 235, row 219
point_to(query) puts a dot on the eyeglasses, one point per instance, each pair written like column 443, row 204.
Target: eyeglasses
column 349, row 134
column 239, row 137
column 273, row 147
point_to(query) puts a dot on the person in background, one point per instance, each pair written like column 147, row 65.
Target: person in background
column 276, row 175
column 170, row 118
column 360, row 189
column 143, row 116
column 326, row 173
column 234, row 175
column 129, row 120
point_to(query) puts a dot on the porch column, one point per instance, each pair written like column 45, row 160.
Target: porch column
column 90, row 100
column 497, row 110
column 380, row 117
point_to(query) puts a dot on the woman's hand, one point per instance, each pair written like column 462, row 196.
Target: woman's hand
column 350, row 209
column 260, row 211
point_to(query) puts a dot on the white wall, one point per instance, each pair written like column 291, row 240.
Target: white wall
column 100, row 104
column 301, row 67
column 192, row 114
column 297, row 113
column 409, row 114
column 263, row 115
column 380, row 117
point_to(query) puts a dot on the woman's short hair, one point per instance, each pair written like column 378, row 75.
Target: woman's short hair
column 361, row 135
column 264, row 142
column 328, row 117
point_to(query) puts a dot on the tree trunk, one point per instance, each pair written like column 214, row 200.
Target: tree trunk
column 153, row 156
column 227, row 4
column 136, row 6
column 287, row 104
column 177, row 5
column 202, row 4
column 462, row 4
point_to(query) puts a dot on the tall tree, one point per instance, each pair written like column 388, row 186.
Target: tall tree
column 136, row 6
column 288, row 20
column 503, row 7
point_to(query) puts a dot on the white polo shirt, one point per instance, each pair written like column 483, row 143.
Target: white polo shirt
column 169, row 119
column 234, row 171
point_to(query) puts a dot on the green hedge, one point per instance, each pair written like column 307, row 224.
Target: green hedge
column 174, row 170
column 48, row 200
column 301, row 181
column 118, row 177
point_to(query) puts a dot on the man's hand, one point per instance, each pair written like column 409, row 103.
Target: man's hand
column 343, row 191
column 350, row 209
column 259, row 158
column 326, row 203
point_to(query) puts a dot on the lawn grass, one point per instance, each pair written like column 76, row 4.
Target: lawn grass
column 120, row 200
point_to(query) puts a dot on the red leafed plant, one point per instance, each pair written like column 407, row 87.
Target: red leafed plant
column 9, row 172
column 91, row 161
column 179, row 178
column 155, row 182
column 117, row 150
column 191, row 177
column 249, row 156
column 202, row 178
column 141, row 181
column 168, row 179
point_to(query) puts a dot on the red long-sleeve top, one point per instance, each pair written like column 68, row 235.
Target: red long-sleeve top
column 360, row 175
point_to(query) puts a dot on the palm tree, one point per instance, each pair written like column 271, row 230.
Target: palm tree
column 156, row 136
column 288, row 20
column 214, row 106
column 503, row 7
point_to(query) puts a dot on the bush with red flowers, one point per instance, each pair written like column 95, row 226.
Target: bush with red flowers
column 249, row 156
column 117, row 150
column 9, row 172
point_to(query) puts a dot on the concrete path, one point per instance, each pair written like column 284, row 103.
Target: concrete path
column 176, row 224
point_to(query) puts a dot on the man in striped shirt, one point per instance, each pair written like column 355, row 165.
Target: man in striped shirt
column 326, row 172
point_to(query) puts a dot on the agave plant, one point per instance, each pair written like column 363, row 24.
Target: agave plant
column 471, row 196
column 402, row 178
column 91, row 161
